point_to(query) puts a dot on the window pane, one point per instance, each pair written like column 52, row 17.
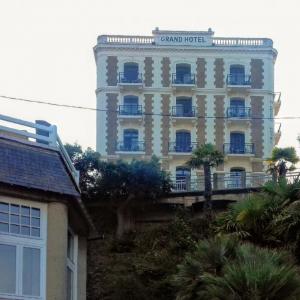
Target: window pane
column 15, row 209
column 25, row 230
column 69, row 284
column 3, row 207
column 31, row 271
column 3, row 217
column 14, row 219
column 14, row 228
column 7, row 269
column 35, row 232
column 3, row 227
column 70, row 246
column 25, row 210
column 35, row 222
column 25, row 221
column 35, row 212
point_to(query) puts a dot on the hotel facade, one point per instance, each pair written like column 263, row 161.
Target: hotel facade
column 168, row 93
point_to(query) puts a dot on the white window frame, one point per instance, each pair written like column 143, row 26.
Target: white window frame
column 73, row 265
column 20, row 242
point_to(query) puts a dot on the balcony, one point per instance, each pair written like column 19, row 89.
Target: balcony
column 130, row 82
column 277, row 103
column 237, row 149
column 238, row 82
column 131, row 146
column 182, row 148
column 130, row 113
column 238, row 115
column 184, row 82
column 277, row 134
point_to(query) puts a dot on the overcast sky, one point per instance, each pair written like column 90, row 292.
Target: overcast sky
column 46, row 50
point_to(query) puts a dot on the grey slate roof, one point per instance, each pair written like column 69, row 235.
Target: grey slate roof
column 36, row 167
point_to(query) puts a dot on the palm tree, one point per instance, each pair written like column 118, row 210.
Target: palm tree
column 282, row 161
column 207, row 157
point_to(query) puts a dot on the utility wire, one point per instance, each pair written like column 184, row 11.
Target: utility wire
column 146, row 114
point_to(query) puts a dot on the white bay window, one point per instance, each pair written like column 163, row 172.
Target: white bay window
column 22, row 249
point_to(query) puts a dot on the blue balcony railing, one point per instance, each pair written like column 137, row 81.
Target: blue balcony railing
column 131, row 146
column 130, row 78
column 182, row 111
column 239, row 112
column 182, row 147
column 232, row 148
column 188, row 78
column 130, row 110
column 239, row 79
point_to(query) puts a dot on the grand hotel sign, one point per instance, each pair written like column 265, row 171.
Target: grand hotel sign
column 172, row 38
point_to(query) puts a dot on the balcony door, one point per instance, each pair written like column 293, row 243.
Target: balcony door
column 183, row 141
column 130, row 106
column 131, row 72
column 130, row 139
column 237, row 108
column 237, row 142
column 184, row 107
column 183, row 73
column 237, row 178
column 237, row 74
column 183, row 178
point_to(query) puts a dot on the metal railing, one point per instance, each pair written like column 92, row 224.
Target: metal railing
column 238, row 80
column 125, row 78
column 182, row 111
column 42, row 135
column 131, row 146
column 239, row 112
column 130, row 110
column 182, row 147
column 226, row 181
column 216, row 41
column 183, row 79
column 231, row 148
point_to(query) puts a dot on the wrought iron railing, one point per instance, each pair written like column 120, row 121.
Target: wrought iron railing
column 182, row 111
column 232, row 148
column 130, row 79
column 239, row 112
column 130, row 110
column 182, row 147
column 238, row 80
column 131, row 146
column 188, row 78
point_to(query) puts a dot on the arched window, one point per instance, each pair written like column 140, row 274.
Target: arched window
column 131, row 106
column 237, row 178
column 237, row 108
column 183, row 141
column 237, row 75
column 237, row 142
column 183, row 178
column 184, row 107
column 131, row 72
column 183, row 74
column 130, row 139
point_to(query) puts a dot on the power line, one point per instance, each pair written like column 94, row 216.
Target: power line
column 146, row 114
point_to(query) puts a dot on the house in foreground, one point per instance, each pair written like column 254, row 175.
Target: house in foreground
column 43, row 224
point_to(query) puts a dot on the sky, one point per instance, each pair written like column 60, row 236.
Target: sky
column 46, row 51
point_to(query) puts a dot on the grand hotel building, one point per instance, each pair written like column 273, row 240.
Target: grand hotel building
column 167, row 93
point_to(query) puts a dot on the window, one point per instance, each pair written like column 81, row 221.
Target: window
column 183, row 177
column 130, row 106
column 183, row 74
column 237, row 108
column 72, row 265
column 237, row 178
column 22, row 250
column 183, row 141
column 237, row 75
column 184, row 107
column 237, row 142
column 130, row 142
column 131, row 73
